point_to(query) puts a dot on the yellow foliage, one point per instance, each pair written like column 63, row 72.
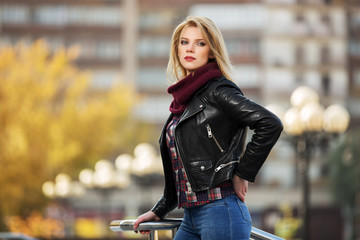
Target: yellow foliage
column 36, row 225
column 288, row 226
column 89, row 228
column 51, row 120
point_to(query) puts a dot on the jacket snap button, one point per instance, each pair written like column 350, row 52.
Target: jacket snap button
column 202, row 168
column 201, row 106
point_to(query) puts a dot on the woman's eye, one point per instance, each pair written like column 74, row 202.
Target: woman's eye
column 183, row 42
column 201, row 44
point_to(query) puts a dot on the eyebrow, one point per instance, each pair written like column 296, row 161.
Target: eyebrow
column 200, row 39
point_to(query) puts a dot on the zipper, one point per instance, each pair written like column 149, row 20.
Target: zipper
column 224, row 165
column 211, row 135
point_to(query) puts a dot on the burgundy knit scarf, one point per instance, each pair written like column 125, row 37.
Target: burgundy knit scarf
column 183, row 90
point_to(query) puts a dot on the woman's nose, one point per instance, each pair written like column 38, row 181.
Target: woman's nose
column 190, row 48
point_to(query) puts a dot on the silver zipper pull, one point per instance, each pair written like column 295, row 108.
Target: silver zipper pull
column 224, row 165
column 209, row 131
column 210, row 135
column 219, row 167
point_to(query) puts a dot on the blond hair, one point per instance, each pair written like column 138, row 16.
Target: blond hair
column 212, row 36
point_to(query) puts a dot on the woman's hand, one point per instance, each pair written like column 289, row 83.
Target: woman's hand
column 240, row 187
column 146, row 217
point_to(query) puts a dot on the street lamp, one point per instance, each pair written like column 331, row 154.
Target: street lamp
column 311, row 125
column 104, row 179
column 63, row 189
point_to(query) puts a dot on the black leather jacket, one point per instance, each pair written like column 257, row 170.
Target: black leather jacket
column 210, row 139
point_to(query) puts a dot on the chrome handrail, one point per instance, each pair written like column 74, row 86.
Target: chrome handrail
column 257, row 234
column 173, row 224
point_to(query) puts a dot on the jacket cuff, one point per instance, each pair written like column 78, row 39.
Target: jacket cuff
column 242, row 174
column 160, row 208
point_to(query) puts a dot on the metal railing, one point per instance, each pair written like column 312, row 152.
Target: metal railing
column 173, row 224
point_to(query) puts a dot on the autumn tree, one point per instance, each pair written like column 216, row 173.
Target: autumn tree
column 52, row 120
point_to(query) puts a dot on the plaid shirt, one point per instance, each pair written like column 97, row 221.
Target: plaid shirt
column 186, row 198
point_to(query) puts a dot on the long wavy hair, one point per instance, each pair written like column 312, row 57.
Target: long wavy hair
column 212, row 36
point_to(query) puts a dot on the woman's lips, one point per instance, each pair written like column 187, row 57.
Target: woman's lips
column 189, row 58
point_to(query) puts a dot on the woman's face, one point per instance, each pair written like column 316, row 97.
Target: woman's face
column 193, row 51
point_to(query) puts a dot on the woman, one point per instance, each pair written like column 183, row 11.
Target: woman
column 206, row 164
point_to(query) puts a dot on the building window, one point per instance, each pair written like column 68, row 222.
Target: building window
column 76, row 15
column 154, row 109
column 153, row 46
column 325, row 55
column 106, row 16
column 105, row 50
column 51, row 15
column 279, row 80
column 152, row 78
column 55, row 42
column 354, row 48
column 14, row 14
column 104, row 79
column 109, row 50
column 280, row 21
column 355, row 23
column 233, row 16
column 356, row 75
column 279, row 53
column 247, row 76
column 300, row 27
column 299, row 55
column 244, row 47
column 157, row 19
column 87, row 49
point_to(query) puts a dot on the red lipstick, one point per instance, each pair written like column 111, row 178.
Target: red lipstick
column 189, row 58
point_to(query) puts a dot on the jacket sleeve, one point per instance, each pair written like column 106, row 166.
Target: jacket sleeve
column 163, row 207
column 267, row 128
column 168, row 201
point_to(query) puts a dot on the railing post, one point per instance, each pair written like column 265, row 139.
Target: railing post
column 174, row 230
column 153, row 235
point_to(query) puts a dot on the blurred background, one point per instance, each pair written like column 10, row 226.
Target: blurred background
column 83, row 99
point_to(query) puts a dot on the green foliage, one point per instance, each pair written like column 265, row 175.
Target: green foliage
column 345, row 169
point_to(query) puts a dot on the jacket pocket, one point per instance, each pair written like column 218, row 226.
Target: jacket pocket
column 200, row 174
column 212, row 136
column 201, row 166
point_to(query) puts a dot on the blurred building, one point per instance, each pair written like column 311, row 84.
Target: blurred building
column 353, row 23
column 95, row 26
column 274, row 45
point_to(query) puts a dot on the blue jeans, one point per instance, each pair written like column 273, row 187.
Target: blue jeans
column 225, row 219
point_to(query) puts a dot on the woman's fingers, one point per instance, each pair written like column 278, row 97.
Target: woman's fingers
column 240, row 187
column 149, row 216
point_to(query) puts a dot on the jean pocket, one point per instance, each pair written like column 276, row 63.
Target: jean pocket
column 244, row 210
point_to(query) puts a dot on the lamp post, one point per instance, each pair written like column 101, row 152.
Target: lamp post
column 105, row 178
column 62, row 190
column 310, row 125
column 108, row 176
